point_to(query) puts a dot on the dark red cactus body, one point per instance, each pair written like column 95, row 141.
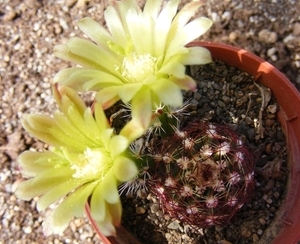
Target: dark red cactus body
column 202, row 174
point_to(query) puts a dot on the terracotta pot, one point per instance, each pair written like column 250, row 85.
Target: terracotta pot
column 288, row 98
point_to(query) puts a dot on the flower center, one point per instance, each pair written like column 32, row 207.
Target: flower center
column 91, row 163
column 136, row 68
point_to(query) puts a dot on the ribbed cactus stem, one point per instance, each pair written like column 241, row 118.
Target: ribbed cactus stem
column 202, row 174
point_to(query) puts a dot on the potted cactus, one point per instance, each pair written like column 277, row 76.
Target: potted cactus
column 204, row 176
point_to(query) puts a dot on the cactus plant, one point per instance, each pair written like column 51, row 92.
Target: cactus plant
column 202, row 174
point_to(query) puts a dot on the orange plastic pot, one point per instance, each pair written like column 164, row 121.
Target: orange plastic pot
column 288, row 98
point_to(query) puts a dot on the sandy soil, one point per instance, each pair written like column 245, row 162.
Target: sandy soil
column 28, row 31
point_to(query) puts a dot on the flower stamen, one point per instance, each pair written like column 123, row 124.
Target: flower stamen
column 138, row 67
column 90, row 163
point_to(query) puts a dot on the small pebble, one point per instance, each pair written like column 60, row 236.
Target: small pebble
column 246, row 233
column 269, row 200
column 27, row 229
column 267, row 36
column 259, row 231
column 140, row 210
column 154, row 208
column 296, row 29
column 262, row 221
column 268, row 148
column 33, row 3
column 276, row 195
column 174, row 225
column 255, row 238
column 226, row 99
column 272, row 108
column 248, row 120
column 233, row 36
column 70, row 3
column 221, row 104
column 271, row 51
column 9, row 16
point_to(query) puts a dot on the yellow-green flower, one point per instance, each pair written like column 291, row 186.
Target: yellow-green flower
column 86, row 159
column 140, row 59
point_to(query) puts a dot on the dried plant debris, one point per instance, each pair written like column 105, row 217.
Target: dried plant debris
column 265, row 99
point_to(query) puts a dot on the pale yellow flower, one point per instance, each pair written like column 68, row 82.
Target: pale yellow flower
column 85, row 159
column 140, row 59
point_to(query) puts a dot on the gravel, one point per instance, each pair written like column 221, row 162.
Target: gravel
column 29, row 29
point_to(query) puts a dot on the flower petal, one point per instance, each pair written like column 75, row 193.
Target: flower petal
column 85, row 137
column 141, row 107
column 73, row 205
column 197, row 56
column 56, row 193
column 68, row 133
column 81, row 79
column 141, row 111
column 107, row 228
column 106, row 136
column 122, row 8
column 115, row 25
column 95, row 31
column 93, row 126
column 95, row 54
column 152, row 8
column 98, row 206
column 58, row 221
column 87, row 54
column 133, row 129
column 108, row 96
column 186, row 83
column 124, row 169
column 162, row 26
column 140, row 28
column 109, row 188
column 33, row 163
column 42, row 183
column 62, row 51
column 173, row 69
column 189, row 33
column 79, row 198
column 117, row 145
column 38, row 125
column 168, row 92
column 66, row 98
column 128, row 91
column 115, row 212
column 196, row 28
column 182, row 17
column 100, row 118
